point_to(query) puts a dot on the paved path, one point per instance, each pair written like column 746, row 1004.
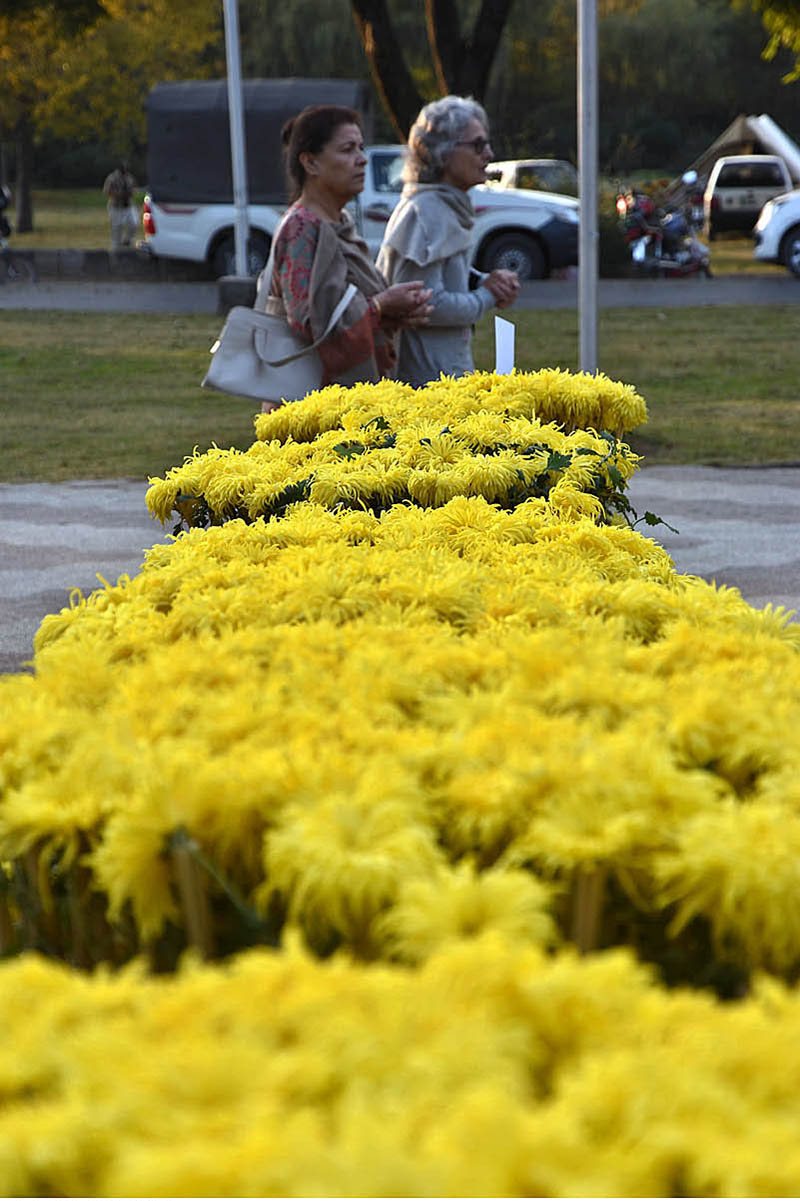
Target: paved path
column 124, row 296
column 55, row 537
column 739, row 527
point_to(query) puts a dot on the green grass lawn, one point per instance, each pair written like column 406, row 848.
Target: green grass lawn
column 72, row 219
column 108, row 395
column 720, row 383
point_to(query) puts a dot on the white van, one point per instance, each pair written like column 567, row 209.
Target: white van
column 738, row 188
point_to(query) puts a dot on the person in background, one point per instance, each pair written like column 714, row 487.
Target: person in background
column 428, row 237
column 316, row 254
column 119, row 187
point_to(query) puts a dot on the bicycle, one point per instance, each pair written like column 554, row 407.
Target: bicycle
column 14, row 268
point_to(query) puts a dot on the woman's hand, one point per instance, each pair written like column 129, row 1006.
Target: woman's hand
column 405, row 304
column 503, row 285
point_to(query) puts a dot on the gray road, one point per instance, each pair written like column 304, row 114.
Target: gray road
column 123, row 296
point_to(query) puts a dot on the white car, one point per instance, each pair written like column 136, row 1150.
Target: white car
column 738, row 187
column 533, row 233
column 777, row 232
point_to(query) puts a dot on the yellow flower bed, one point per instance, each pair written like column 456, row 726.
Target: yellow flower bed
column 505, row 438
column 371, row 727
column 490, row 1070
column 423, row 753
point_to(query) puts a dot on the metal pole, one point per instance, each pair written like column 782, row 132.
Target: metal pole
column 587, row 164
column 241, row 227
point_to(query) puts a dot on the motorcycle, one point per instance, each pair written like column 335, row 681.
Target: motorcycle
column 662, row 241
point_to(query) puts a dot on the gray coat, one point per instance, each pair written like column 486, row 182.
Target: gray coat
column 428, row 238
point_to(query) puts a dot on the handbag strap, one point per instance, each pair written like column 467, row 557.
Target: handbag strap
column 349, row 293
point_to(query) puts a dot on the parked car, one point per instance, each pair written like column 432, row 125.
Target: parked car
column 532, row 233
column 777, row 232
column 538, row 174
column 738, row 188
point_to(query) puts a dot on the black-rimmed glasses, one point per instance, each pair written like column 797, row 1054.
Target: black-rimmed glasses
column 477, row 144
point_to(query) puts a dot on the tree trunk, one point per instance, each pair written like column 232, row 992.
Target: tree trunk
column 463, row 65
column 387, row 64
column 447, row 46
column 24, row 180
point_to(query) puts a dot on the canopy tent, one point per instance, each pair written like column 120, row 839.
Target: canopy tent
column 744, row 135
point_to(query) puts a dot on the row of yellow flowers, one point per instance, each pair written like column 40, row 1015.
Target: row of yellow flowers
column 300, row 719
column 423, row 751
column 506, row 438
column 491, row 1070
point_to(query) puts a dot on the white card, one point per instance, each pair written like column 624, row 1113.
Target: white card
column 503, row 346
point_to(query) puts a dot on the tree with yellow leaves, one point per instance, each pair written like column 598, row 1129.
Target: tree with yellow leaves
column 83, row 72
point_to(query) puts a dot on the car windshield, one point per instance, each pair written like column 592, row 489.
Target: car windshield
column 750, row 175
column 545, row 177
column 387, row 172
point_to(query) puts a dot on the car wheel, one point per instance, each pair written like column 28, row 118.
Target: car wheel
column 516, row 252
column 790, row 250
column 223, row 260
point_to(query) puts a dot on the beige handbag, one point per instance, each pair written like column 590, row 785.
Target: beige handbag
column 257, row 355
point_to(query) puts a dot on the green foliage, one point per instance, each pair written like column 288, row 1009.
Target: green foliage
column 649, row 114
column 614, row 259
column 648, row 51
column 782, row 22
column 86, row 107
column 83, row 75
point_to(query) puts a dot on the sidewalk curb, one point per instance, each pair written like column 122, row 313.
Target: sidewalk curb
column 98, row 265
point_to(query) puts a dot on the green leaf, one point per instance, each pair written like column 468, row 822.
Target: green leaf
column 380, row 423
column 654, row 519
column 558, row 462
column 348, row 449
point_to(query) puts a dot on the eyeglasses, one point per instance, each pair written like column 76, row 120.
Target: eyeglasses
column 477, row 144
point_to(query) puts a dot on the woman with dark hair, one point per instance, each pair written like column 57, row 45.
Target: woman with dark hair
column 316, row 254
column 429, row 234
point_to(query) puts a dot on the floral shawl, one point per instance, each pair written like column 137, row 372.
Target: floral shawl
column 313, row 263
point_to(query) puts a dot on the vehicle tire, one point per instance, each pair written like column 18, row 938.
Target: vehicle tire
column 516, row 252
column 790, row 251
column 223, row 259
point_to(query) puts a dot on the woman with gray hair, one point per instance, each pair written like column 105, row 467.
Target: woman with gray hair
column 428, row 239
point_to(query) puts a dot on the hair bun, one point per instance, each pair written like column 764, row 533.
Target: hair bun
column 286, row 132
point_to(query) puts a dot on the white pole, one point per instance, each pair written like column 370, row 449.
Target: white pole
column 240, row 228
column 587, row 165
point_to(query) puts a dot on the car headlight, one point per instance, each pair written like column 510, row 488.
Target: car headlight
column 765, row 216
column 568, row 215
